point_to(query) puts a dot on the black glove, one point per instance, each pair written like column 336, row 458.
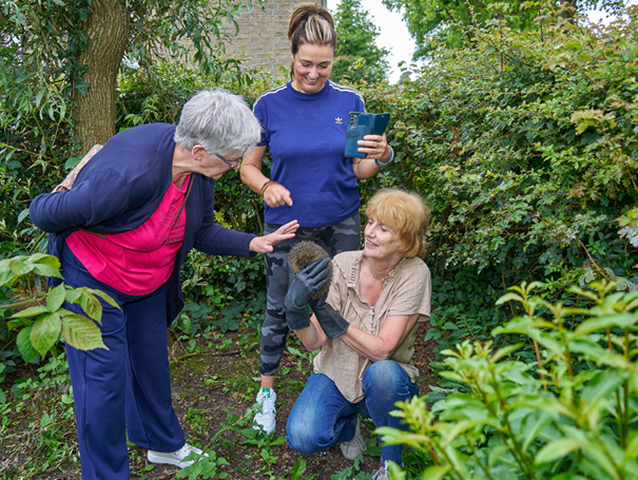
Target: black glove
column 300, row 288
column 333, row 324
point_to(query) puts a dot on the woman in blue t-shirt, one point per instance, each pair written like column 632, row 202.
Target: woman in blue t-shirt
column 310, row 180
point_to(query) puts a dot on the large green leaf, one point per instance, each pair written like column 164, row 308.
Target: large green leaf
column 107, row 298
column 509, row 297
column 46, row 270
column 25, row 347
column 30, row 312
column 532, row 426
column 504, row 351
column 560, row 448
column 497, row 450
column 631, row 452
column 621, row 320
column 55, row 298
column 19, row 267
column 91, row 305
column 394, row 436
column 588, row 346
column 45, row 332
column 6, row 274
column 458, row 428
column 81, row 333
column 45, row 258
column 72, row 294
column 46, row 265
column 436, row 472
column 598, row 394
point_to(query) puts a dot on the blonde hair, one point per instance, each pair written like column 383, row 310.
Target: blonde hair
column 404, row 212
column 311, row 23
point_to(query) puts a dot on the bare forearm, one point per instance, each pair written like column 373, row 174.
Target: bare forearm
column 365, row 168
column 313, row 336
column 253, row 177
column 381, row 346
column 250, row 170
column 370, row 346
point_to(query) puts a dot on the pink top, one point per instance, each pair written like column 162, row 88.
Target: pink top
column 139, row 261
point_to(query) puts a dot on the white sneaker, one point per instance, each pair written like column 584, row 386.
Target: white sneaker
column 355, row 447
column 265, row 420
column 382, row 473
column 175, row 458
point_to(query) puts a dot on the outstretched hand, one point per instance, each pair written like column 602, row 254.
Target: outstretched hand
column 264, row 244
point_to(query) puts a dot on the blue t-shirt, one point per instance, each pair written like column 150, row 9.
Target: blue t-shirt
column 306, row 134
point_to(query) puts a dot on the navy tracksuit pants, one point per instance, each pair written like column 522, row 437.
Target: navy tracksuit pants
column 124, row 388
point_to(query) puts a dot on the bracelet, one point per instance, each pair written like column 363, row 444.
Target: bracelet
column 265, row 186
column 381, row 164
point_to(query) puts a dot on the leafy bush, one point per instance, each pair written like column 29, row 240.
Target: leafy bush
column 37, row 315
column 550, row 419
column 525, row 147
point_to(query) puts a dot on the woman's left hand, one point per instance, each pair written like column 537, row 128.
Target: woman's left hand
column 265, row 243
column 375, row 146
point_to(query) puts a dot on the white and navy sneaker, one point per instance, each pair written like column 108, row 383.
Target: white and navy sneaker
column 265, row 421
column 175, row 458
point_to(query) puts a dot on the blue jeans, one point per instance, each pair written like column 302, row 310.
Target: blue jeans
column 322, row 417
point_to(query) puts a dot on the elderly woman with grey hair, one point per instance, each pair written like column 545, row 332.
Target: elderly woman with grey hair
column 125, row 227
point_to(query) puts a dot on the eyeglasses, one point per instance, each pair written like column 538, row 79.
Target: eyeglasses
column 233, row 164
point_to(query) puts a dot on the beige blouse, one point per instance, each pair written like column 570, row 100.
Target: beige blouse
column 406, row 291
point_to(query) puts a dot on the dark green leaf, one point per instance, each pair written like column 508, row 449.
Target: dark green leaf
column 25, row 347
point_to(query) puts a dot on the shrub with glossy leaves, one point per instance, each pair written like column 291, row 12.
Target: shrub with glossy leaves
column 548, row 419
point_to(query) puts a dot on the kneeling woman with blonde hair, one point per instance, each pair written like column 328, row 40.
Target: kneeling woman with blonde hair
column 366, row 328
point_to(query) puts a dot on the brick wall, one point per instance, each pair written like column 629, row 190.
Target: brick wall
column 263, row 35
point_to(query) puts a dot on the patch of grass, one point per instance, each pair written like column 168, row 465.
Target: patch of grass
column 198, row 420
column 37, row 423
column 241, row 383
column 290, row 387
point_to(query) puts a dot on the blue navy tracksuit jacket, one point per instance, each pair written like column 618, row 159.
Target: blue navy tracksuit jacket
column 121, row 187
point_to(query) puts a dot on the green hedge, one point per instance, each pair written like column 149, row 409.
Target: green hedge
column 526, row 150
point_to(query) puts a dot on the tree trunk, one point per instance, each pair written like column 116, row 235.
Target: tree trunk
column 107, row 29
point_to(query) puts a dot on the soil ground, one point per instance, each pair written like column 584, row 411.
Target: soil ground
column 212, row 390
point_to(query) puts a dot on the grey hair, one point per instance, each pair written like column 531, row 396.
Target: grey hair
column 219, row 121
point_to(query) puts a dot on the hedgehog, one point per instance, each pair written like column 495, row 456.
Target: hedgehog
column 304, row 253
